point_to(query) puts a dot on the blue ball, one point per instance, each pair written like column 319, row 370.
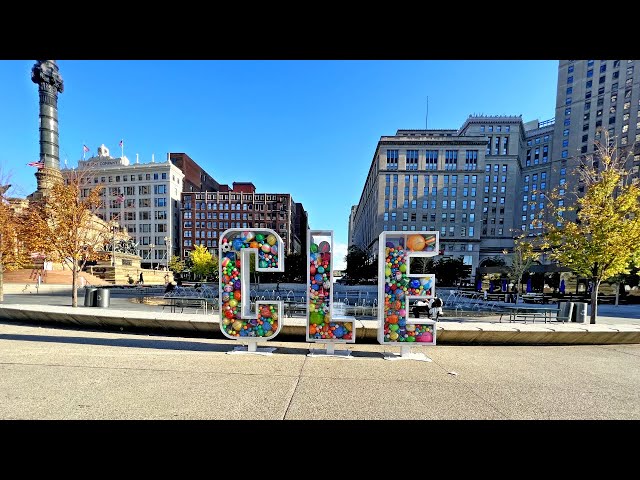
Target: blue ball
column 237, row 244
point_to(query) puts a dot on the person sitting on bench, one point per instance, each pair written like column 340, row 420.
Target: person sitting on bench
column 420, row 307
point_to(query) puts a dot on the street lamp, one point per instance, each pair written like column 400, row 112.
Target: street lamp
column 114, row 227
column 152, row 246
column 167, row 242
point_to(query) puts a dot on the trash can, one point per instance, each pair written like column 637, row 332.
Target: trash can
column 102, row 297
column 90, row 297
column 579, row 313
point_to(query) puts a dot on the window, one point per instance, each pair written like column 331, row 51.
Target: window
column 451, row 160
column 412, row 159
column 392, row 159
column 431, row 160
column 570, row 78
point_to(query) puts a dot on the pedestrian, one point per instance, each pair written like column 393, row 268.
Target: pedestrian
column 141, row 282
column 436, row 307
column 514, row 293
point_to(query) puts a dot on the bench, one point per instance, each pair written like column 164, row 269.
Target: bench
column 186, row 302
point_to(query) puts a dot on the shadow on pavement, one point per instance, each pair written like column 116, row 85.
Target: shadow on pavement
column 124, row 342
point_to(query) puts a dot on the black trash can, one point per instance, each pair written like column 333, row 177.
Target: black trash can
column 102, row 297
column 90, row 297
column 579, row 313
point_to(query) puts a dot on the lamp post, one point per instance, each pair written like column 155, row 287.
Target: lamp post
column 114, row 226
column 152, row 246
column 167, row 242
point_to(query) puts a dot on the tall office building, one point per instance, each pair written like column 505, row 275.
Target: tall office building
column 196, row 178
column 594, row 97
column 206, row 215
column 144, row 198
column 473, row 185
column 352, row 215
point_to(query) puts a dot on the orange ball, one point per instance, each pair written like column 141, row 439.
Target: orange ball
column 416, row 243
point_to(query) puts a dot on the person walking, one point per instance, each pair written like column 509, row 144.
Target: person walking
column 141, row 282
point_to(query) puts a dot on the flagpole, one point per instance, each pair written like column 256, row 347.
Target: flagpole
column 122, row 146
column 83, row 150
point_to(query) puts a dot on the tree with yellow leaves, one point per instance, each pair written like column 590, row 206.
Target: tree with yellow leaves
column 64, row 226
column 602, row 241
column 13, row 254
column 204, row 264
column 522, row 258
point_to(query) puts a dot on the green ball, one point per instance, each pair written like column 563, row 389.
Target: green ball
column 387, row 272
column 320, row 269
column 316, row 318
column 403, row 267
column 259, row 238
column 411, row 339
column 393, row 327
column 314, row 248
column 264, row 264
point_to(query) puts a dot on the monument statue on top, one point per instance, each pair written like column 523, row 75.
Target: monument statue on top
column 46, row 74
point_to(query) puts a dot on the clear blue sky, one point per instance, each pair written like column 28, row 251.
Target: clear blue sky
column 308, row 128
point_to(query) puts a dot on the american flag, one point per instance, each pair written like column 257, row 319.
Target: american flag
column 39, row 164
column 85, row 148
column 121, row 142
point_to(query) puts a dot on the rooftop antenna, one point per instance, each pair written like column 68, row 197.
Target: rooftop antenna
column 426, row 120
column 137, row 160
column 153, row 158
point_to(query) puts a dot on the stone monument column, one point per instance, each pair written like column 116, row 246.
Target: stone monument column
column 45, row 73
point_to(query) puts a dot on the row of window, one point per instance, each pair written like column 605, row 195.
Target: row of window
column 413, row 217
column 431, row 160
column 498, row 128
column 426, row 204
column 537, row 140
column 126, row 178
column 434, row 179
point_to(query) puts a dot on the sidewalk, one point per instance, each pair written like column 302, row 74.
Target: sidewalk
column 126, row 315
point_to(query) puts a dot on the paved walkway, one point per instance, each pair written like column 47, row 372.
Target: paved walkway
column 619, row 324
column 58, row 373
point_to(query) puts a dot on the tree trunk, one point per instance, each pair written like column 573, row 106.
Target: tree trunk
column 74, row 283
column 617, row 293
column 594, row 301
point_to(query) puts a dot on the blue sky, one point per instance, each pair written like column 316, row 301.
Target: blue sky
column 308, row 128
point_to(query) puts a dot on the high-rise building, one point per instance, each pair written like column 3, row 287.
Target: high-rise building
column 206, row 215
column 196, row 179
column 473, row 185
column 143, row 198
column 352, row 215
column 595, row 98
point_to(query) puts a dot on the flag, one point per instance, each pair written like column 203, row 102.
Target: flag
column 120, row 198
column 121, row 143
column 85, row 148
column 39, row 164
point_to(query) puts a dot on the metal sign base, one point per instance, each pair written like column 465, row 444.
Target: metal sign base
column 252, row 349
column 407, row 354
column 330, row 351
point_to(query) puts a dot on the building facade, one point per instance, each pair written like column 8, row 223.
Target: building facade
column 474, row 185
column 352, row 216
column 206, row 215
column 196, row 179
column 595, row 99
column 143, row 198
